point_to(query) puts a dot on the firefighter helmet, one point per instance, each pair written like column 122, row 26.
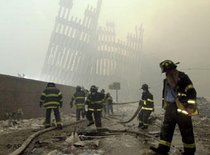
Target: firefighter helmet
column 102, row 91
column 145, row 87
column 93, row 88
column 78, row 88
column 167, row 65
column 50, row 84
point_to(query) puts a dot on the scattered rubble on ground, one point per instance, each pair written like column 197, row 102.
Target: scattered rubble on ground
column 76, row 141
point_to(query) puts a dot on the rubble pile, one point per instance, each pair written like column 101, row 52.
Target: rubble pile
column 73, row 140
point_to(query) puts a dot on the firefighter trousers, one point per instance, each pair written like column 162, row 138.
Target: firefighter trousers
column 144, row 116
column 48, row 116
column 97, row 117
column 171, row 118
column 80, row 112
column 109, row 109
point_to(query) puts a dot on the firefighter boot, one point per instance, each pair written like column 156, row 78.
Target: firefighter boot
column 59, row 126
column 188, row 153
column 159, row 150
column 140, row 125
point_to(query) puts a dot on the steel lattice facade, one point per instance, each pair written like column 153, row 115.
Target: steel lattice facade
column 83, row 53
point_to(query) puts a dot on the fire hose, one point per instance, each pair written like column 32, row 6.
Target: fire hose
column 135, row 114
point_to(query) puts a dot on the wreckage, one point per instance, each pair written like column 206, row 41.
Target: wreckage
column 76, row 138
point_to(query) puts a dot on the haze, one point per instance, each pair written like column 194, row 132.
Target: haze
column 177, row 30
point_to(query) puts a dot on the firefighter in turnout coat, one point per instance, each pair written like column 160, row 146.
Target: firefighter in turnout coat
column 51, row 99
column 95, row 105
column 179, row 102
column 79, row 98
column 147, row 107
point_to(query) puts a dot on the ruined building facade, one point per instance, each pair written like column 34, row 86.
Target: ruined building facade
column 83, row 53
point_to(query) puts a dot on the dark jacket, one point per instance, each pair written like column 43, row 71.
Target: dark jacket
column 51, row 98
column 79, row 98
column 95, row 101
column 148, row 103
column 186, row 93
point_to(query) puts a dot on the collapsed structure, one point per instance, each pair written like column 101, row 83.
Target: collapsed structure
column 83, row 53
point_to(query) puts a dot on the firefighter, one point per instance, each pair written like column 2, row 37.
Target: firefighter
column 95, row 105
column 177, row 88
column 19, row 114
column 79, row 98
column 109, row 101
column 104, row 111
column 147, row 107
column 51, row 99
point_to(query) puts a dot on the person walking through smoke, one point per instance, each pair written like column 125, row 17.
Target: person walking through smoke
column 179, row 102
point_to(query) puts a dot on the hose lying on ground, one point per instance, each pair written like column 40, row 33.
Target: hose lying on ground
column 135, row 114
column 29, row 139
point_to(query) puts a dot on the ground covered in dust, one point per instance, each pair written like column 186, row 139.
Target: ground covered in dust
column 111, row 144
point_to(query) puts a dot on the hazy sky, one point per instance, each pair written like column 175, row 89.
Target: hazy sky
column 173, row 29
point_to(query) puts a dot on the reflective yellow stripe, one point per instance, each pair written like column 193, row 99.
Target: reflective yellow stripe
column 182, row 111
column 163, row 142
column 190, row 146
column 145, row 102
column 48, row 103
column 43, row 94
column 191, row 101
column 97, row 102
column 79, row 104
column 52, row 107
column 59, row 93
column 80, row 97
column 149, row 100
column 52, row 95
column 94, row 109
column 147, row 108
column 181, row 94
column 190, row 86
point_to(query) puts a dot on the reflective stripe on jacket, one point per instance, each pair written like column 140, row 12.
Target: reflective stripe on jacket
column 148, row 103
column 51, row 97
column 95, row 101
column 79, row 98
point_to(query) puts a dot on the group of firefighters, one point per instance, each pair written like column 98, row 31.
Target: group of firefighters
column 87, row 103
column 179, row 103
